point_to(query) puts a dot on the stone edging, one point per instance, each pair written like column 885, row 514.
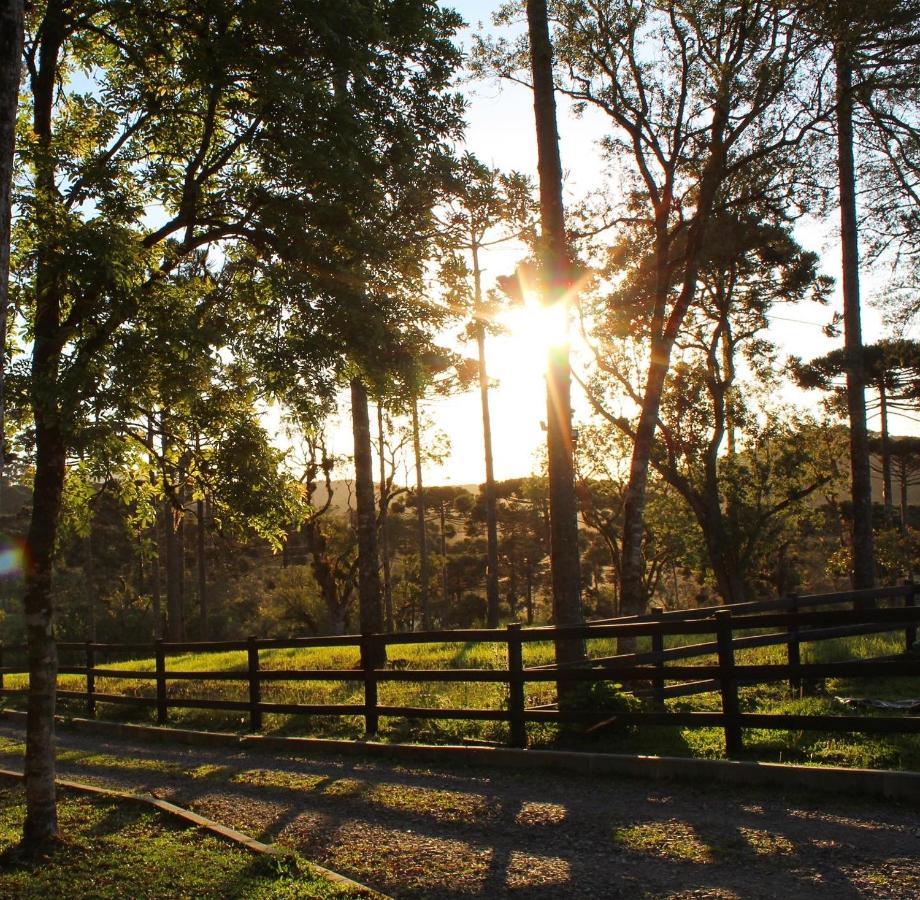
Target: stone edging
column 209, row 825
column 883, row 783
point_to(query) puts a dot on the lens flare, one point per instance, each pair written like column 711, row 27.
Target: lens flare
column 12, row 558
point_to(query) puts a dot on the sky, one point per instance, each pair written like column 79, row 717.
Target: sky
column 500, row 131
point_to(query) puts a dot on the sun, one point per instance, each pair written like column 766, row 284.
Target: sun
column 531, row 331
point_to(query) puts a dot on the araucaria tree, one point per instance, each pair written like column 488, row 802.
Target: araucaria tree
column 158, row 133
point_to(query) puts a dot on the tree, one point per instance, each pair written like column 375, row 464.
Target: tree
column 905, row 455
column 557, row 285
column 750, row 263
column 696, row 95
column 892, row 367
column 11, row 38
column 873, row 46
column 488, row 208
column 223, row 118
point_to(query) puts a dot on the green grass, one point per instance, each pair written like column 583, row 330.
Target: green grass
column 819, row 748
column 114, row 850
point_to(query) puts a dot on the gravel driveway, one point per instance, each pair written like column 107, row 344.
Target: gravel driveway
column 438, row 832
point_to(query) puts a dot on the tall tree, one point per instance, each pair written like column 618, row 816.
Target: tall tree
column 557, row 283
column 863, row 552
column 11, row 37
column 222, row 117
column 874, row 48
column 486, row 208
column 370, row 598
column 695, row 94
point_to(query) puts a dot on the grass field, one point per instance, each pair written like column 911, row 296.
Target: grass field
column 894, row 751
column 115, row 850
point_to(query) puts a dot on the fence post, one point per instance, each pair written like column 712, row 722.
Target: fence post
column 518, row 737
column 658, row 650
column 160, row 654
column 728, row 683
column 90, row 680
column 910, row 632
column 255, row 686
column 369, row 658
column 794, row 656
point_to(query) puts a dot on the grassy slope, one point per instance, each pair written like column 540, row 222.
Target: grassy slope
column 820, row 748
column 115, row 850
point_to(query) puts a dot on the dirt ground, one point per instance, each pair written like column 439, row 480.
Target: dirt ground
column 438, row 832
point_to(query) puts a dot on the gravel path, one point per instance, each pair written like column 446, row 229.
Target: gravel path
column 429, row 832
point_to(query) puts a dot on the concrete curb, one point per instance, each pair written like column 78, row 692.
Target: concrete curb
column 882, row 783
column 209, row 825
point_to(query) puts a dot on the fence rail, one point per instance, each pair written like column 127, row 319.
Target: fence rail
column 652, row 668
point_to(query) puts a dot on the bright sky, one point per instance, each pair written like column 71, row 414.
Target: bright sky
column 501, row 133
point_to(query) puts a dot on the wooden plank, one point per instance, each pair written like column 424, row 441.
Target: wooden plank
column 314, row 709
column 331, row 675
column 426, row 712
column 458, row 675
column 255, row 689
column 461, row 635
column 325, row 640
column 516, row 723
column 160, row 662
column 229, row 675
column 728, row 685
column 863, row 724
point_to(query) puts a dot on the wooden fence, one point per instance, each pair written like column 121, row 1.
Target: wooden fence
column 791, row 626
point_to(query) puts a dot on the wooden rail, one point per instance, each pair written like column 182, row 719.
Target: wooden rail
column 794, row 626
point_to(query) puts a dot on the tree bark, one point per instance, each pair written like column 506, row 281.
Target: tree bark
column 369, row 600
column 420, row 518
column 633, row 599
column 155, row 597
column 201, row 560
column 174, row 624
column 384, row 525
column 863, row 550
column 11, row 37
column 564, row 558
column 41, row 825
column 492, row 599
column 888, row 494
column 442, row 518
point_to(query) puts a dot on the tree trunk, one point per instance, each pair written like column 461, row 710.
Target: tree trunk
column 904, row 475
column 863, row 550
column 564, row 559
column 201, row 560
column 529, row 596
column 633, row 600
column 11, row 36
column 722, row 558
column 384, row 525
column 420, row 518
column 369, row 600
column 442, row 516
column 92, row 589
column 41, row 826
column 155, row 600
column 175, row 627
column 888, row 493
column 492, row 600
